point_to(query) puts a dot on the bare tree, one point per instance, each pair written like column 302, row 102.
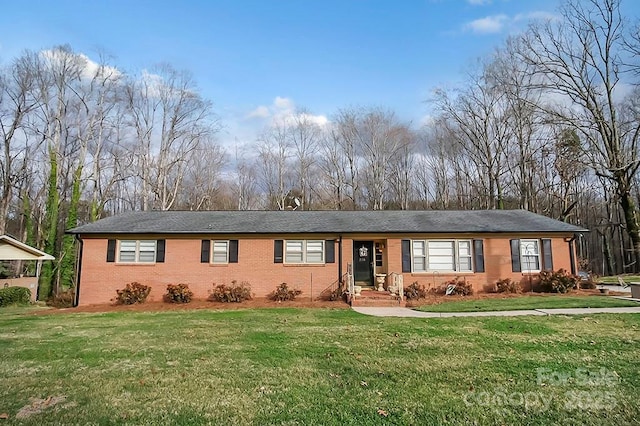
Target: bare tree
column 580, row 59
column 273, row 164
column 16, row 102
column 477, row 116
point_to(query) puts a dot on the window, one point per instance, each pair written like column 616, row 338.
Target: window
column 441, row 255
column 137, row 251
column 220, row 252
column 304, row 251
column 530, row 255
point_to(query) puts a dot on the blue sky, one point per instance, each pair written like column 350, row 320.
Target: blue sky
column 254, row 58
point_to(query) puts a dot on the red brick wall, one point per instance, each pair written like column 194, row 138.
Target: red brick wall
column 497, row 262
column 99, row 280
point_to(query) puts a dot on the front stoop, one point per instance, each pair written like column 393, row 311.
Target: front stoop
column 377, row 299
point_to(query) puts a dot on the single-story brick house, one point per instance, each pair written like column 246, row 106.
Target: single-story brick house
column 312, row 250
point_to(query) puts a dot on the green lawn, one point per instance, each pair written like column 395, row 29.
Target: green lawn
column 614, row 280
column 314, row 366
column 528, row 302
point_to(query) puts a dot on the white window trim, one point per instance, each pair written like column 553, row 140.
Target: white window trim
column 213, row 251
column 304, row 253
column 137, row 253
column 524, row 265
column 456, row 257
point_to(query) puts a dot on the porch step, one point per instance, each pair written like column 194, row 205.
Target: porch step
column 377, row 298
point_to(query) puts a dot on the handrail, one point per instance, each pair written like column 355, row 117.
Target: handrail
column 333, row 286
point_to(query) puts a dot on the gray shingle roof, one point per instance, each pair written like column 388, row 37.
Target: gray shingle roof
column 287, row 222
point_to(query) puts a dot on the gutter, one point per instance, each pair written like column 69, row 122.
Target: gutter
column 76, row 300
column 572, row 253
column 340, row 261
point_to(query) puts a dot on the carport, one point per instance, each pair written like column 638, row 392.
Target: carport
column 11, row 250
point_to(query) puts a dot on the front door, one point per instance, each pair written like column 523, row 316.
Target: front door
column 363, row 262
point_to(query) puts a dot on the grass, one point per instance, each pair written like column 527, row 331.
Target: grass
column 313, row 366
column 528, row 302
column 614, row 279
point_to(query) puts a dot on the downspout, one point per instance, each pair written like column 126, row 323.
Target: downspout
column 340, row 283
column 572, row 253
column 76, row 301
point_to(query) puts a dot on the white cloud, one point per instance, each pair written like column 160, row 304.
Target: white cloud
column 494, row 24
column 488, row 25
column 282, row 109
column 89, row 68
column 260, row 112
column 283, row 103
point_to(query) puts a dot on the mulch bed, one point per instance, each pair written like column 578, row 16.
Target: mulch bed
column 258, row 303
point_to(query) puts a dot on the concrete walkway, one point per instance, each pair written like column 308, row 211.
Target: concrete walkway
column 406, row 312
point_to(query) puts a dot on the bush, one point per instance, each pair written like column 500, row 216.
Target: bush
column 178, row 293
column 283, row 293
column 14, row 296
column 63, row 299
column 133, row 293
column 457, row 287
column 334, row 295
column 559, row 281
column 508, row 286
column 233, row 293
column 415, row 291
column 588, row 285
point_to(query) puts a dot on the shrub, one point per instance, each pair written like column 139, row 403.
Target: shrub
column 178, row 293
column 589, row 285
column 415, row 291
column 233, row 293
column 334, row 295
column 14, row 296
column 559, row 281
column 456, row 286
column 133, row 293
column 508, row 286
column 283, row 293
column 64, row 299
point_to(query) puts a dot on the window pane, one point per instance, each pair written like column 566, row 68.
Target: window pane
column 464, row 264
column 147, row 256
column 528, row 247
column 315, row 251
column 220, row 251
column 464, row 248
column 147, row 251
column 419, row 264
column 293, row 257
column 315, row 246
column 314, row 257
column 127, row 256
column 441, row 255
column 418, row 248
column 127, row 246
column 127, row 251
column 530, row 263
column 148, row 245
column 294, row 246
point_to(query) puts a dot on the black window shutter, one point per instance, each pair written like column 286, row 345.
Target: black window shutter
column 406, row 255
column 547, row 257
column 204, row 251
column 329, row 251
column 478, row 255
column 515, row 256
column 160, row 251
column 111, row 251
column 277, row 251
column 233, row 251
